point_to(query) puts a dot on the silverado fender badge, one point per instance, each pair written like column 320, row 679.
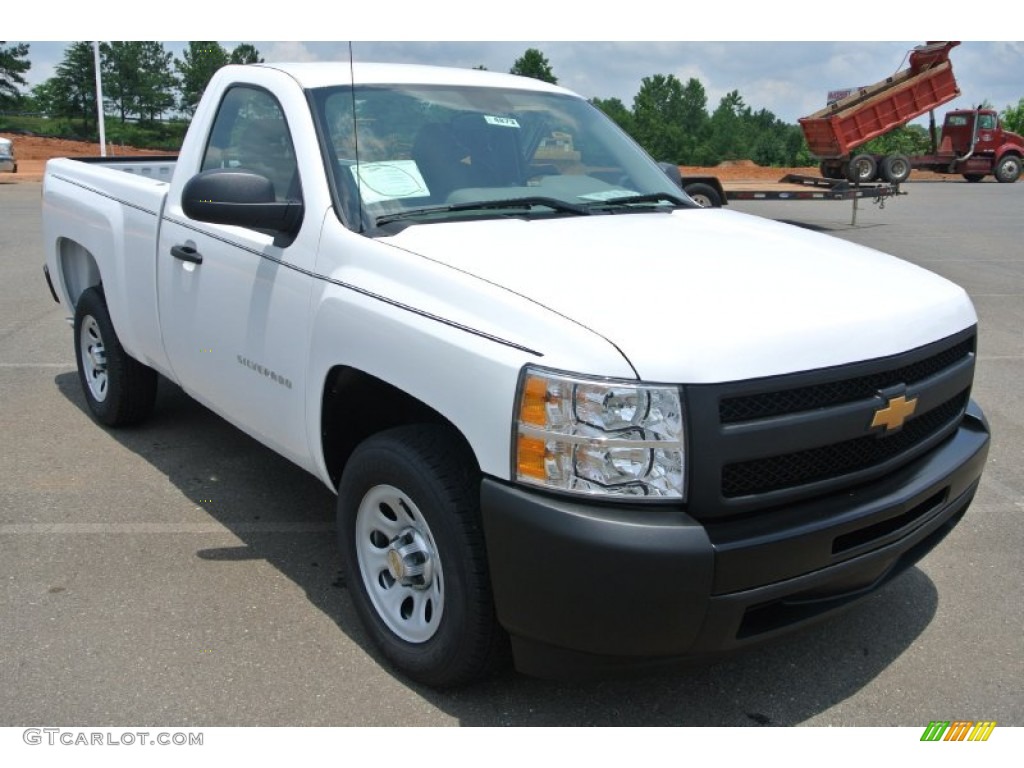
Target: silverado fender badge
column 894, row 413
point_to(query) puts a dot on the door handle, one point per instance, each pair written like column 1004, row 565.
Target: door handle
column 186, row 253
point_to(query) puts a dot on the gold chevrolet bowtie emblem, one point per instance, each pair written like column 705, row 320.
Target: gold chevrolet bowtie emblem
column 895, row 412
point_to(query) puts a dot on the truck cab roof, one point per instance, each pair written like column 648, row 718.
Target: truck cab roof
column 323, row 74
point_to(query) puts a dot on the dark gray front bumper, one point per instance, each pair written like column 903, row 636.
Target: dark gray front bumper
column 585, row 587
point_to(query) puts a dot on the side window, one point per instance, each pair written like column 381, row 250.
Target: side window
column 987, row 122
column 250, row 133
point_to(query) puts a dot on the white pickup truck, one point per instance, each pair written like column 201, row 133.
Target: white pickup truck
column 567, row 412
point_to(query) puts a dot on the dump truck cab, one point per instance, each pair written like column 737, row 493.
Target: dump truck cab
column 977, row 144
column 977, row 131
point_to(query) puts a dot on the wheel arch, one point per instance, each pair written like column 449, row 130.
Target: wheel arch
column 355, row 405
column 79, row 269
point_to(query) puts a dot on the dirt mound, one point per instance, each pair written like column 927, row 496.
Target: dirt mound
column 744, row 170
column 32, row 152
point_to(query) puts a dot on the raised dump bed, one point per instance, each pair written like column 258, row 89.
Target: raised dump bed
column 841, row 127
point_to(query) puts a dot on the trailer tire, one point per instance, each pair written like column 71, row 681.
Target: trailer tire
column 974, row 178
column 861, row 169
column 118, row 389
column 1008, row 169
column 896, row 168
column 704, row 195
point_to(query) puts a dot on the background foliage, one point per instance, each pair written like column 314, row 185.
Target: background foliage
column 150, row 96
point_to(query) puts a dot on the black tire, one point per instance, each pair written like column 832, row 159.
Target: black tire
column 704, row 195
column 974, row 178
column 414, row 559
column 895, row 168
column 831, row 169
column 118, row 389
column 1008, row 169
column 861, row 169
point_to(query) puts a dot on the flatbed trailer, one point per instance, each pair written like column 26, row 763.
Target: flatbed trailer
column 712, row 192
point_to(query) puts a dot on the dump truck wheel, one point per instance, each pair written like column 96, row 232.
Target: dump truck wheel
column 895, row 169
column 861, row 169
column 1008, row 169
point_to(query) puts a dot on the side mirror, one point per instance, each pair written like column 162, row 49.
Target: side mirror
column 672, row 171
column 239, row 198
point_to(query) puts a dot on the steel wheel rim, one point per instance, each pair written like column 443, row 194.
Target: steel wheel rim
column 702, row 200
column 398, row 564
column 93, row 354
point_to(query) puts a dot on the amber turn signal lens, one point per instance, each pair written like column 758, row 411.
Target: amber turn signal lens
column 530, row 458
column 533, row 409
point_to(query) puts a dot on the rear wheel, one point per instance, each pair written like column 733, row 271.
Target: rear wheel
column 704, row 195
column 831, row 169
column 1008, row 169
column 895, row 169
column 118, row 389
column 861, row 169
column 974, row 178
column 410, row 533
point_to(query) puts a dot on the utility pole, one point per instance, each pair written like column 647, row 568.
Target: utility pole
column 99, row 99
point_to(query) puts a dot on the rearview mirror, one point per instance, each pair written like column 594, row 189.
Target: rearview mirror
column 239, row 198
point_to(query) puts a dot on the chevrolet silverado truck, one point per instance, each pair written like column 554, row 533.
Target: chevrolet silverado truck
column 572, row 418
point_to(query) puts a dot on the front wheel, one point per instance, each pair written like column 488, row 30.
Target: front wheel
column 1008, row 169
column 118, row 389
column 410, row 534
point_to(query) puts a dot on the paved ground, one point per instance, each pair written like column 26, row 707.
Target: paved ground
column 182, row 574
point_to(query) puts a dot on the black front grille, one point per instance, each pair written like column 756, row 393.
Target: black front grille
column 733, row 410
column 803, row 467
column 765, row 444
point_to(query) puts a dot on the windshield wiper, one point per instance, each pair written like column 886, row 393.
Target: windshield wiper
column 628, row 200
column 561, row 206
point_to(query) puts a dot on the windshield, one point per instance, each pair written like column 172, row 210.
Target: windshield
column 424, row 153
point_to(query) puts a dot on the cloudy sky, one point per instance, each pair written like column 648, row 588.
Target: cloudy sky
column 781, row 64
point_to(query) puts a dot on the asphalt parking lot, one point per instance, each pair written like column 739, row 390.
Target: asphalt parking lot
column 180, row 573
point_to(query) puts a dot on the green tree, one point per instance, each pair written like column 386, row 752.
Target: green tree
column 13, row 63
column 159, row 81
column 71, row 92
column 730, row 128
column 534, row 64
column 904, row 140
column 658, row 116
column 1013, row 117
column 245, row 53
column 137, row 78
column 617, row 111
column 200, row 60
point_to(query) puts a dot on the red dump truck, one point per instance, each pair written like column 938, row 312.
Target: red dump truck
column 973, row 143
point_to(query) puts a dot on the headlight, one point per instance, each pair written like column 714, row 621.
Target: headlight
column 599, row 437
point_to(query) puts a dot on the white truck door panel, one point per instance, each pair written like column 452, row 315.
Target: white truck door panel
column 234, row 309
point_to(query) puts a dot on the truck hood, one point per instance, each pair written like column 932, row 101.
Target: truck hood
column 706, row 295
